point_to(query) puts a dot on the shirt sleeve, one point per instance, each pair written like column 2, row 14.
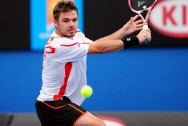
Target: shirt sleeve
column 73, row 50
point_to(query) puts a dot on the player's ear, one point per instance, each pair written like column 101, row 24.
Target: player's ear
column 55, row 23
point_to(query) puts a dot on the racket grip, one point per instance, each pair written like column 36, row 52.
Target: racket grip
column 146, row 41
column 145, row 27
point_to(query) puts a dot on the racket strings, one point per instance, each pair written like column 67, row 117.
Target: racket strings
column 140, row 5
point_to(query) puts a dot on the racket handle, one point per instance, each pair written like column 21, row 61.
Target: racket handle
column 146, row 41
column 145, row 27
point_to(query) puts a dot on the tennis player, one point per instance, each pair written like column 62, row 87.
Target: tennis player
column 64, row 66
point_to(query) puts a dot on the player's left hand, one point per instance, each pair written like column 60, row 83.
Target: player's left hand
column 143, row 35
column 133, row 25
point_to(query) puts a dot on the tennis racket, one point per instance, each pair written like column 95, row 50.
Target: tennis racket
column 143, row 8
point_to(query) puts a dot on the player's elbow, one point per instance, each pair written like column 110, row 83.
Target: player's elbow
column 101, row 50
column 97, row 51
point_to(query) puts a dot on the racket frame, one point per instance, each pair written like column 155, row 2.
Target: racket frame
column 149, row 9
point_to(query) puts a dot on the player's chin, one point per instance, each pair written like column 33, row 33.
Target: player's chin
column 71, row 35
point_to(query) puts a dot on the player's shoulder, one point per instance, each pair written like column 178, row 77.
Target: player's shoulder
column 79, row 33
column 80, row 36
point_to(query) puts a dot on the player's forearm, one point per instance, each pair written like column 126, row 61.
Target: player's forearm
column 100, row 47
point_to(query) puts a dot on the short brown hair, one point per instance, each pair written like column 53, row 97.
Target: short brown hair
column 63, row 6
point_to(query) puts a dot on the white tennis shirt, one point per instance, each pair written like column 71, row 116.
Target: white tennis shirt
column 64, row 68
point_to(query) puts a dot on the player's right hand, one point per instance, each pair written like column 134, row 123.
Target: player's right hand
column 133, row 25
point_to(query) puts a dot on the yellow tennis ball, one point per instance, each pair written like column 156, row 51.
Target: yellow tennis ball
column 86, row 91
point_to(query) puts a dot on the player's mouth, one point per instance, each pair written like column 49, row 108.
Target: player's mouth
column 71, row 30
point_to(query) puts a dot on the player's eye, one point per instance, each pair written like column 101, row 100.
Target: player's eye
column 65, row 20
column 76, row 19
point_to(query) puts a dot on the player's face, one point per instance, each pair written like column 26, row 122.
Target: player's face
column 67, row 24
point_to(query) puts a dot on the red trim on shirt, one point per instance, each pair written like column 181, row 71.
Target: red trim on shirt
column 51, row 39
column 68, row 67
column 69, row 44
column 74, row 44
column 49, row 49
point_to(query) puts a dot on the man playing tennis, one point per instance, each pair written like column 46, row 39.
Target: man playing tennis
column 64, row 66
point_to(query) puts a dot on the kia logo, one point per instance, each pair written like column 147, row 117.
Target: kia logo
column 170, row 18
